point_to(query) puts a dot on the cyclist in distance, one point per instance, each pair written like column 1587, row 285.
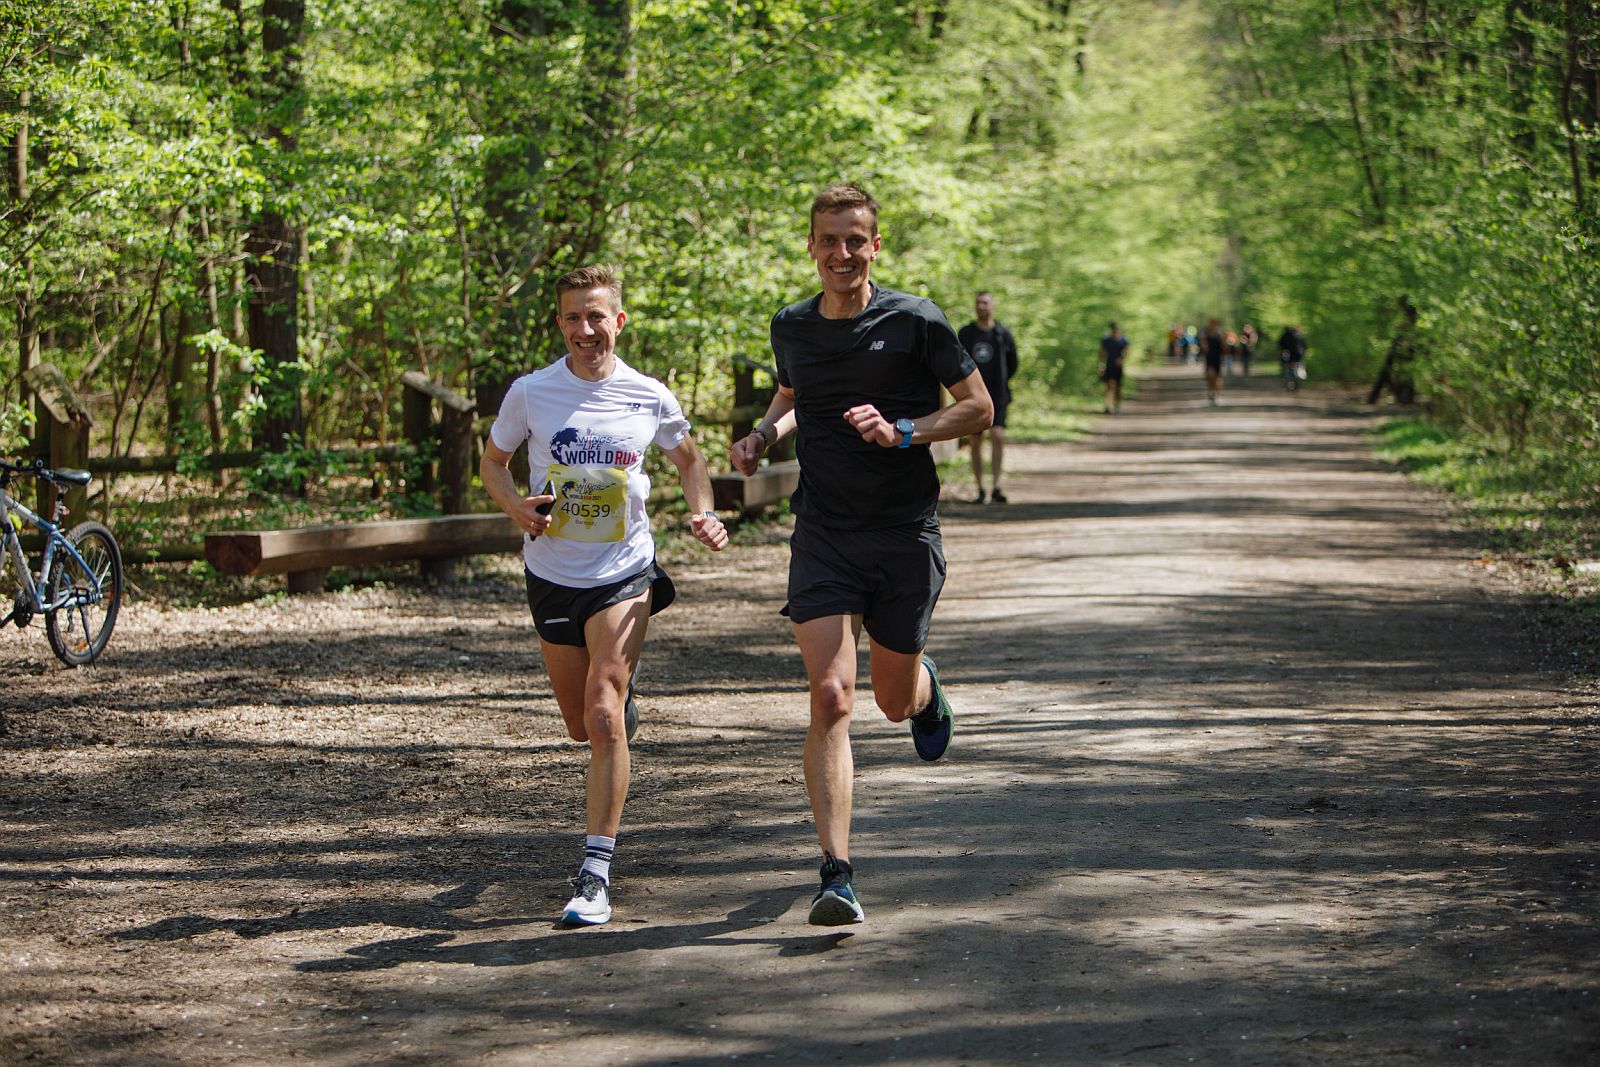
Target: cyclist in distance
column 1292, row 354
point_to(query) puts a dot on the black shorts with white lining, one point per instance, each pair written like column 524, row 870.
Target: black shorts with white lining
column 560, row 611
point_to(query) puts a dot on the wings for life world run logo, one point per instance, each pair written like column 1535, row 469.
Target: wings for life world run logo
column 585, row 448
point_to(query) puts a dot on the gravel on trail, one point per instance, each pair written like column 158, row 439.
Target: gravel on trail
column 1254, row 764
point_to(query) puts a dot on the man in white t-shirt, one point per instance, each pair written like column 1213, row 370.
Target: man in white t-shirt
column 592, row 577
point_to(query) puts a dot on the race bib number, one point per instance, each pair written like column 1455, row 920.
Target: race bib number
column 591, row 503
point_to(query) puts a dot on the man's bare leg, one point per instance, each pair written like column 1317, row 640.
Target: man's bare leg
column 900, row 683
column 828, row 646
column 997, row 438
column 975, row 446
column 590, row 686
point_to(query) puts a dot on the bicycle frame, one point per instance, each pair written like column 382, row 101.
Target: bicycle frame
column 53, row 539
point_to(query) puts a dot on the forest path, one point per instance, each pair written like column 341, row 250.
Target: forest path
column 1253, row 765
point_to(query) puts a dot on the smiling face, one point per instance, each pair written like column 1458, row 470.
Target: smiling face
column 590, row 320
column 843, row 244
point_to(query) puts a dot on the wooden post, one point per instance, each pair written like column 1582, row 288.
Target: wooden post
column 453, row 435
column 744, row 393
column 747, row 397
column 455, row 456
column 61, row 433
column 416, row 421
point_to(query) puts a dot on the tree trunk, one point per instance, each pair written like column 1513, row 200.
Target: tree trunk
column 1368, row 168
column 514, row 201
column 1520, row 74
column 272, row 247
column 539, row 232
column 27, row 315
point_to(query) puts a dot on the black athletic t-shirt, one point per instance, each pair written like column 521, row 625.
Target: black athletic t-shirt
column 1112, row 349
column 894, row 355
column 995, row 352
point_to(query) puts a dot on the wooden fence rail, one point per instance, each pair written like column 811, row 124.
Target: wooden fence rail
column 442, row 447
column 227, row 461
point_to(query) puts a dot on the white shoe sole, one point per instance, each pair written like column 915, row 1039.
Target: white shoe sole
column 573, row 917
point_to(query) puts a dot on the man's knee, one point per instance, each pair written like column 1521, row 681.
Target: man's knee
column 831, row 701
column 603, row 712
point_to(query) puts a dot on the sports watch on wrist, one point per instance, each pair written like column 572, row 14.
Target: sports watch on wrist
column 769, row 437
column 905, row 428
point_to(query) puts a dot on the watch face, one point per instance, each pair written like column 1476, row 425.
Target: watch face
column 905, row 426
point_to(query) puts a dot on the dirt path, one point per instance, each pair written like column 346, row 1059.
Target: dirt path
column 1253, row 766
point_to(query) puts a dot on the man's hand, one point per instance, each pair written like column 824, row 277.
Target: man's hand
column 873, row 427
column 747, row 452
column 533, row 513
column 709, row 531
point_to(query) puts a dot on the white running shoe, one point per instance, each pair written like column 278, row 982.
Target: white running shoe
column 591, row 901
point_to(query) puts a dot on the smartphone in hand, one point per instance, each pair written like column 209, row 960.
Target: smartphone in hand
column 547, row 506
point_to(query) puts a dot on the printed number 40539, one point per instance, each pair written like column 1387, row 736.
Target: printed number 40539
column 587, row 511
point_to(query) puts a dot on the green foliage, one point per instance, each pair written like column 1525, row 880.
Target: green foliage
column 1153, row 161
column 1532, row 503
column 1402, row 150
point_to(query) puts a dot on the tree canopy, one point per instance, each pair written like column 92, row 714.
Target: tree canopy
column 237, row 222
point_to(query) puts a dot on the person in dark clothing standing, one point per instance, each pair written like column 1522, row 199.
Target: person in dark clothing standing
column 994, row 350
column 1248, row 339
column 859, row 371
column 1211, row 346
column 1113, row 351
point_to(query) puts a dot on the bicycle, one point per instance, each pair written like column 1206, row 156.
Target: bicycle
column 78, row 588
column 1293, row 374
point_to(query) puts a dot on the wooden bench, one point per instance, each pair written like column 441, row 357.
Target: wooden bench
column 306, row 554
column 770, row 485
column 775, row 482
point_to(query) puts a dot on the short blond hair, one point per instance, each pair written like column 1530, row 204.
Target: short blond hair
column 583, row 279
column 844, row 196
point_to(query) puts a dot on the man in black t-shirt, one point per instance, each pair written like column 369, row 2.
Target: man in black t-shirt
column 994, row 350
column 859, row 371
column 1113, row 351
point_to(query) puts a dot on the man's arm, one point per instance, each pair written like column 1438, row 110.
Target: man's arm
column 696, row 483
column 1011, row 355
column 496, row 475
column 972, row 412
column 779, row 421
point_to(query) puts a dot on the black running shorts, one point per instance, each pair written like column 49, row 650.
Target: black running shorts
column 560, row 611
column 1001, row 402
column 890, row 577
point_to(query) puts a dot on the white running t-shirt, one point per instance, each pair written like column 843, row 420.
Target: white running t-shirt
column 588, row 439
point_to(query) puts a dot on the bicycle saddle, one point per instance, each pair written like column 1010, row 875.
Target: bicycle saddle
column 69, row 477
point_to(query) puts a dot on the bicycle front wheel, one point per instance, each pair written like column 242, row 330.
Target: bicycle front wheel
column 85, row 600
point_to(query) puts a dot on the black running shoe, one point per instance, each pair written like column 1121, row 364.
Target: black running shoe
column 980, row 498
column 931, row 727
column 997, row 497
column 835, row 903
